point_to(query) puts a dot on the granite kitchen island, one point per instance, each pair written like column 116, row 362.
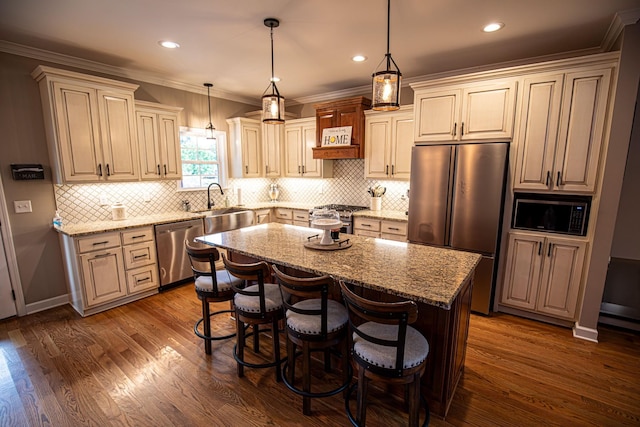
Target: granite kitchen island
column 438, row 280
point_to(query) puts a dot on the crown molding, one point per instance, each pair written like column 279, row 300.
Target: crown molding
column 138, row 75
column 620, row 20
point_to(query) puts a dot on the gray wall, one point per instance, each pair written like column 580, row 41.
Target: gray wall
column 23, row 141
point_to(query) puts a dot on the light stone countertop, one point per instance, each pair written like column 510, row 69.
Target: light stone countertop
column 421, row 273
column 95, row 227
column 383, row 214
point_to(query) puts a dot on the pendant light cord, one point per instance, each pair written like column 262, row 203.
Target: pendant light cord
column 388, row 55
column 272, row 72
column 209, row 104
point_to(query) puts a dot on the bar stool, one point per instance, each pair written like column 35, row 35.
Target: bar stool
column 211, row 286
column 259, row 303
column 315, row 323
column 384, row 348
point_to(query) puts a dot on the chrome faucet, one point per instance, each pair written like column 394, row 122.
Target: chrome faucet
column 209, row 202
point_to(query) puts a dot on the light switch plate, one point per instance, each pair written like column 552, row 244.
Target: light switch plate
column 22, row 206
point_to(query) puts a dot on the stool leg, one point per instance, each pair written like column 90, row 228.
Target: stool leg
column 256, row 338
column 345, row 365
column 363, row 388
column 306, row 378
column 240, row 345
column 276, row 348
column 414, row 401
column 291, row 360
column 206, row 325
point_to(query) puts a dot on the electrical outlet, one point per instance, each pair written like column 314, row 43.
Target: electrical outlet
column 104, row 200
column 22, row 206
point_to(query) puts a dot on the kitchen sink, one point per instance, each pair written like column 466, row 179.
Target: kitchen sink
column 225, row 219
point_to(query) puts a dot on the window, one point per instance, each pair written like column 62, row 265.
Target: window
column 203, row 160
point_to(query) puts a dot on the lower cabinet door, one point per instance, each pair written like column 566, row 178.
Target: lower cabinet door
column 561, row 277
column 522, row 275
column 103, row 276
column 142, row 278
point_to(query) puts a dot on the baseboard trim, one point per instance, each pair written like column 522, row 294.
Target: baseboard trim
column 583, row 333
column 47, row 304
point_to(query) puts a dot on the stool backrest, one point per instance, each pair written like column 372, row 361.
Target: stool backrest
column 203, row 262
column 258, row 273
column 392, row 313
column 305, row 288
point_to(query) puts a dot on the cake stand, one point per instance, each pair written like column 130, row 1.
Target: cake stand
column 326, row 224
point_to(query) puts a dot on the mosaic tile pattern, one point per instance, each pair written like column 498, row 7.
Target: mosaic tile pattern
column 79, row 203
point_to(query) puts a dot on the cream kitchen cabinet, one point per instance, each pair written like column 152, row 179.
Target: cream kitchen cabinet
column 109, row 269
column 300, row 138
column 385, row 229
column 245, row 148
column 283, row 215
column 561, row 130
column 272, row 137
column 388, row 142
column 543, row 273
column 300, row 217
column 469, row 111
column 262, row 216
column 90, row 125
column 158, row 141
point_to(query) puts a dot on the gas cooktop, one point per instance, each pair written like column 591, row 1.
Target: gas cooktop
column 345, row 211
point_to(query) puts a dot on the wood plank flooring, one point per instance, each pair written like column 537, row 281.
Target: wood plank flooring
column 141, row 365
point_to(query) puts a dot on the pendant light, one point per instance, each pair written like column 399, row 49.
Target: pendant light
column 386, row 83
column 272, row 102
column 209, row 130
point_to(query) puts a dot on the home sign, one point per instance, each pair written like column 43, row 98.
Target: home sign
column 336, row 136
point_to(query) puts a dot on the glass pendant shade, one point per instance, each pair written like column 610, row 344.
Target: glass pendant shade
column 272, row 108
column 387, row 82
column 210, row 130
column 272, row 101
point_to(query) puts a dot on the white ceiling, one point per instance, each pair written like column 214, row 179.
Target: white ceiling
column 226, row 43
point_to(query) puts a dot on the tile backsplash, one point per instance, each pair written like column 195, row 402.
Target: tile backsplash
column 80, row 203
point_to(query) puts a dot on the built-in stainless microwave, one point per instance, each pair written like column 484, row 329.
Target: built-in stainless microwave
column 551, row 213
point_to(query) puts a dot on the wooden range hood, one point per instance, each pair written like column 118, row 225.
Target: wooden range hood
column 343, row 112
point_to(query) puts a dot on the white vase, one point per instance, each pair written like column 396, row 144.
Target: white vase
column 376, row 203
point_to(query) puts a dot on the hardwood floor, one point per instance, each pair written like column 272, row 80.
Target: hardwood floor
column 141, row 365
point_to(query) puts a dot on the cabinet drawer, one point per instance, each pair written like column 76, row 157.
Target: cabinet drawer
column 284, row 213
column 139, row 255
column 394, row 227
column 300, row 215
column 137, row 235
column 98, row 242
column 367, row 224
column 396, row 237
column 142, row 278
column 365, row 233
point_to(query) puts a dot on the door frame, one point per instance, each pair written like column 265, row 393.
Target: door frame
column 10, row 253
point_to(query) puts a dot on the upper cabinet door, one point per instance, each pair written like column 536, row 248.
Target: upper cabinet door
column 436, row 115
column 538, row 130
column 311, row 168
column 170, row 146
column 149, row 149
column 401, row 150
column 487, row 111
column 271, row 142
column 78, row 132
column 292, row 155
column 561, row 130
column 377, row 138
column 581, row 129
column 251, row 151
column 470, row 111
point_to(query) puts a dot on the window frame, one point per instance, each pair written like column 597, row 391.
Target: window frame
column 223, row 170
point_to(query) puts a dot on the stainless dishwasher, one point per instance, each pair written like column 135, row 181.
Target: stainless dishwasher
column 172, row 258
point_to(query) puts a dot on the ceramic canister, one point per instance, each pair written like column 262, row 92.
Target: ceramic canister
column 118, row 212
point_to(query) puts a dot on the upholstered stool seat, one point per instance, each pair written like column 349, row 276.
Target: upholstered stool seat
column 257, row 303
column 385, row 348
column 211, row 286
column 416, row 347
column 315, row 323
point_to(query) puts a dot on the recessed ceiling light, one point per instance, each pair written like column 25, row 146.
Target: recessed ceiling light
column 168, row 44
column 359, row 58
column 494, row 26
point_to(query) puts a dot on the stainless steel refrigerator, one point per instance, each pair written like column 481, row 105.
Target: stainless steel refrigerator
column 455, row 200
